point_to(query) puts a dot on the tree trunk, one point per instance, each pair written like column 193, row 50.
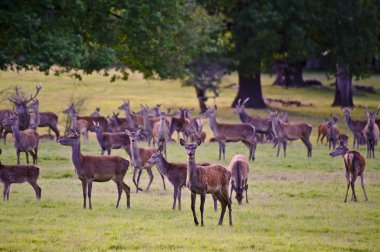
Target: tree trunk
column 290, row 74
column 343, row 88
column 250, row 87
column 201, row 95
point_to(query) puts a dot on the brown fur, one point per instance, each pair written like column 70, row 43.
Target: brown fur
column 343, row 139
column 239, row 169
column 322, row 131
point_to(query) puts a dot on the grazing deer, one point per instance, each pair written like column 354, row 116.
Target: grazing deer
column 355, row 164
column 139, row 158
column 108, row 141
column 213, row 179
column 80, row 126
column 96, row 113
column 133, row 121
column 355, row 126
column 343, row 139
column 97, row 169
column 262, row 125
column 332, row 133
column 25, row 141
column 290, row 131
column 231, row 133
column 43, row 119
column 371, row 132
column 239, row 169
column 161, row 131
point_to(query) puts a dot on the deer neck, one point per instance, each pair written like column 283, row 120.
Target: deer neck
column 191, row 173
column 348, row 121
column 276, row 128
column 214, row 126
column 244, row 117
column 36, row 121
column 128, row 117
column 73, row 123
column 100, row 137
column 163, row 165
column 16, row 132
column 135, row 154
column 76, row 156
column 146, row 121
column 239, row 177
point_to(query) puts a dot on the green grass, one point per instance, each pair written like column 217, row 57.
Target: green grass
column 296, row 203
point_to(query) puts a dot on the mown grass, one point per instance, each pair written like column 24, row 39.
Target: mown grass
column 296, row 203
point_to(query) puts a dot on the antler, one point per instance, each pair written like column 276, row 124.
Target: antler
column 38, row 89
column 366, row 109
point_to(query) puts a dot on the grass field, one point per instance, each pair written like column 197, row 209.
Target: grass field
column 296, row 203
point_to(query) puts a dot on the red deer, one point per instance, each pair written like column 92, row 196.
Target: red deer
column 290, row 131
column 355, row 164
column 80, row 126
column 117, row 124
column 231, row 133
column 96, row 112
column 322, row 130
column 43, row 119
column 147, row 126
column 4, row 130
column 332, row 133
column 179, row 124
column 108, row 141
column 133, row 121
column 239, row 169
column 355, row 126
column 139, row 157
column 160, row 131
column 25, row 141
column 10, row 174
column 343, row 139
column 371, row 132
column 97, row 169
column 213, row 179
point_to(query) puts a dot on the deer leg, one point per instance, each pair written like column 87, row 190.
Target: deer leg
column 89, row 184
column 223, row 205
column 18, row 156
column 246, row 190
column 348, row 184
column 193, row 198
column 318, row 137
column 84, row 187
column 179, row 197
column 220, row 151
column 163, row 180
column 224, row 150
column 56, row 131
column 150, row 173
column 134, row 180
column 119, row 191
column 284, row 144
column 362, row 181
column 203, row 198
column 215, row 203
column 353, row 198
column 224, row 194
column 165, row 148
column 5, row 190
column 36, row 188
column 175, row 195
column 278, row 147
column 27, row 157
column 36, row 154
column 127, row 191
column 138, row 179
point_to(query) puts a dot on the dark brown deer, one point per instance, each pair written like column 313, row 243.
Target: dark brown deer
column 213, row 179
column 25, row 141
column 80, row 126
column 290, row 131
column 10, row 174
column 97, row 169
column 371, row 132
column 139, row 157
column 355, row 164
column 96, row 113
column 43, row 119
column 239, row 169
column 117, row 124
column 3, row 129
column 355, row 126
column 231, row 133
column 108, row 141
column 332, row 133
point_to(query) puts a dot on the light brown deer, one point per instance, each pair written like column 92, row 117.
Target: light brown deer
column 147, row 125
column 139, row 157
column 108, row 141
column 371, row 132
column 322, row 130
column 160, row 131
column 97, row 169
column 43, row 119
column 133, row 120
column 231, row 133
column 332, row 133
column 290, row 131
column 343, row 139
column 213, row 179
column 24, row 141
column 10, row 174
column 355, row 126
column 80, row 126
column 354, row 163
column 239, row 169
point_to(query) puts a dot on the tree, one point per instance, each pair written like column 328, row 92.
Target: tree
column 351, row 40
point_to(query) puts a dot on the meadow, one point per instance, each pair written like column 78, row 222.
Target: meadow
column 295, row 203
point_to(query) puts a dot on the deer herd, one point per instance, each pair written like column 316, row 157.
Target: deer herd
column 157, row 127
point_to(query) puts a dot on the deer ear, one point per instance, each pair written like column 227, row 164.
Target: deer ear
column 182, row 142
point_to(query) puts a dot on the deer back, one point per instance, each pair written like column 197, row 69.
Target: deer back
column 18, row 173
column 239, row 169
column 103, row 168
column 354, row 162
column 296, row 130
column 235, row 132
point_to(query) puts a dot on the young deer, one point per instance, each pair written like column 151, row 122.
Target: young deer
column 290, row 131
column 231, row 133
column 43, row 119
column 213, row 179
column 108, row 141
column 97, row 169
column 355, row 164
column 25, row 141
column 332, row 133
column 10, row 174
column 139, row 157
column 355, row 126
column 371, row 132
column 239, row 169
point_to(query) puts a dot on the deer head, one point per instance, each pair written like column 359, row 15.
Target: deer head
column 210, row 112
column 371, row 116
column 239, row 192
column 70, row 109
column 134, row 136
column 339, row 151
column 155, row 157
column 71, row 139
column 190, row 147
column 20, row 101
column 96, row 127
column 11, row 119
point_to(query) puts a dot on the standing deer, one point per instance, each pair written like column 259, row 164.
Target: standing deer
column 97, row 169
column 161, row 131
column 147, row 125
column 25, row 141
column 139, row 158
column 355, row 126
column 343, row 139
column 355, row 164
column 43, row 119
column 231, row 133
column 239, row 169
column 96, row 112
column 332, row 133
column 108, row 141
column 322, row 130
column 213, row 179
column 371, row 132
column 133, row 121
column 80, row 126
column 10, row 174
column 179, row 124
column 290, row 131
